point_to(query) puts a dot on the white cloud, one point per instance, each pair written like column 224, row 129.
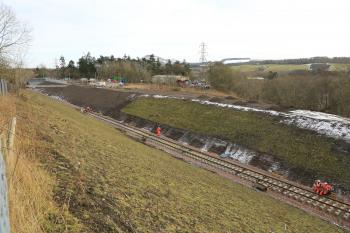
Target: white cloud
column 174, row 29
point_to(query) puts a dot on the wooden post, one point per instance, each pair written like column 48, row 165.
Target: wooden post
column 3, row 144
column 11, row 137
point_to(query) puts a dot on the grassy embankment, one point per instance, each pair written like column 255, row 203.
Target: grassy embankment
column 299, row 148
column 32, row 208
column 113, row 184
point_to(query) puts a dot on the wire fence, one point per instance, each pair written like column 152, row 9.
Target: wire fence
column 6, row 149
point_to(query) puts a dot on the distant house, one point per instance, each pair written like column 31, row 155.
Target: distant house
column 317, row 67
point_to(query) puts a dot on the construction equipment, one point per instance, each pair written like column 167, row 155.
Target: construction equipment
column 322, row 188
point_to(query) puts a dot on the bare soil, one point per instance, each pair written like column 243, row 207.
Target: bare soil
column 106, row 101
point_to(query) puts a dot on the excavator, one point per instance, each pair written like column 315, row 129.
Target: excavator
column 322, row 188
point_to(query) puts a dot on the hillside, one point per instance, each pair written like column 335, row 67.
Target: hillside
column 305, row 152
column 110, row 183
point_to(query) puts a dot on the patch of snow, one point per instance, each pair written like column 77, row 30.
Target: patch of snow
column 319, row 116
column 166, row 97
column 238, row 153
column 236, row 107
column 184, row 138
column 207, row 145
column 275, row 167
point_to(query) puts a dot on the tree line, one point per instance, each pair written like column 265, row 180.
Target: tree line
column 105, row 67
column 321, row 91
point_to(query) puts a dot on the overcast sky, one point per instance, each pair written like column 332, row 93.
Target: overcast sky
column 259, row 29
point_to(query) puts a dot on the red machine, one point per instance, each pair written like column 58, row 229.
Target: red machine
column 322, row 188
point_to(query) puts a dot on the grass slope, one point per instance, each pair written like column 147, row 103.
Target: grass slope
column 114, row 184
column 299, row 148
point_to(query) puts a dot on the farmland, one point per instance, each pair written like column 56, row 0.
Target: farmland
column 267, row 68
column 282, row 68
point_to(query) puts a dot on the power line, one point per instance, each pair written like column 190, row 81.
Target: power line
column 203, row 59
column 203, row 53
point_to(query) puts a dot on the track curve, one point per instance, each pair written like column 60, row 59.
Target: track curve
column 329, row 205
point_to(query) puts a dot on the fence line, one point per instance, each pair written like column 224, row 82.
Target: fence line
column 6, row 149
column 3, row 87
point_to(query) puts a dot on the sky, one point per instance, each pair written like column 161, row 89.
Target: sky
column 259, row 29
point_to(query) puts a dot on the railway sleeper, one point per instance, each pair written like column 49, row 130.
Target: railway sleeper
column 337, row 212
column 346, row 216
column 291, row 194
column 323, row 206
column 309, row 201
column 301, row 192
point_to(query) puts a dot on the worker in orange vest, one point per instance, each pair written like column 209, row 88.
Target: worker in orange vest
column 158, row 131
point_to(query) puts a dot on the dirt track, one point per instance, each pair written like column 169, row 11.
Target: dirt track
column 108, row 102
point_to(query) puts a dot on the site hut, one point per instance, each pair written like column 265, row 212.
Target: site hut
column 84, row 80
column 170, row 80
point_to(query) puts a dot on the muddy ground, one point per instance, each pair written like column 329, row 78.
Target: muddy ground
column 108, row 102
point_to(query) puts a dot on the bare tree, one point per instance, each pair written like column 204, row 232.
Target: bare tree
column 14, row 35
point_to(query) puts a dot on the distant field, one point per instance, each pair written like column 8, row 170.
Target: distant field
column 111, row 183
column 300, row 149
column 340, row 67
column 284, row 68
column 267, row 68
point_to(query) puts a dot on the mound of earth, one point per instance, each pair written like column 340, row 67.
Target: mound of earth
column 108, row 102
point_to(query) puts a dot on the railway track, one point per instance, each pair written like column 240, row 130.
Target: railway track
column 337, row 209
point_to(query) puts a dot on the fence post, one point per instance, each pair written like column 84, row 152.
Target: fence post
column 3, row 87
column 11, row 137
column 4, row 209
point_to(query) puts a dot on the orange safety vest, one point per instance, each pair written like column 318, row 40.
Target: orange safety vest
column 158, row 131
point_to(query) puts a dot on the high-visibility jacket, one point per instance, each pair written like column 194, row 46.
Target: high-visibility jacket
column 158, row 131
